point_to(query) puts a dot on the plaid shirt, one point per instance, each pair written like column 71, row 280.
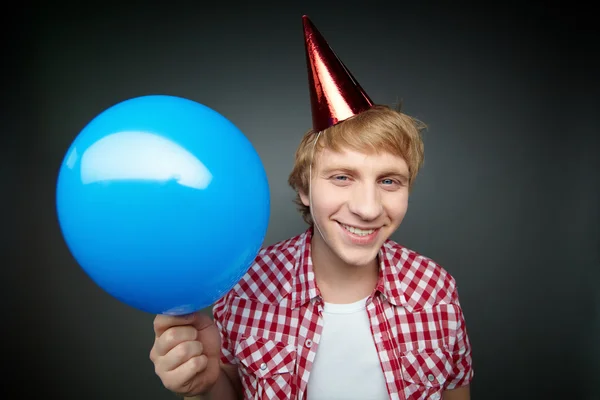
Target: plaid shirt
column 270, row 324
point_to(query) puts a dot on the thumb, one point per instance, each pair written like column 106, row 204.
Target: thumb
column 199, row 320
column 208, row 334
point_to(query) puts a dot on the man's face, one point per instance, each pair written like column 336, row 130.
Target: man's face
column 358, row 201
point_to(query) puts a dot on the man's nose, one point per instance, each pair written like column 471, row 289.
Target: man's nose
column 365, row 202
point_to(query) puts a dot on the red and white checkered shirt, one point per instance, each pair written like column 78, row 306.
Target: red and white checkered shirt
column 270, row 324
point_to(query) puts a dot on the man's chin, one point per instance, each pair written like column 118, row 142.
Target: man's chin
column 359, row 257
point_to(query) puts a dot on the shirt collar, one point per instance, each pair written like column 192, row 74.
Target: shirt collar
column 304, row 287
column 392, row 279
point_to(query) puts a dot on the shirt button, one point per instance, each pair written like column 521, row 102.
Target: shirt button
column 308, row 343
column 431, row 377
column 263, row 366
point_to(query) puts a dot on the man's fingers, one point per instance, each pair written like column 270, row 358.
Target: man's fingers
column 179, row 355
column 181, row 378
column 164, row 322
column 173, row 337
column 198, row 320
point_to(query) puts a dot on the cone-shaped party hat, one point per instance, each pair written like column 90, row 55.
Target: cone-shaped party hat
column 334, row 93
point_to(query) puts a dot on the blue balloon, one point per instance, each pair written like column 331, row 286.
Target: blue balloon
column 163, row 202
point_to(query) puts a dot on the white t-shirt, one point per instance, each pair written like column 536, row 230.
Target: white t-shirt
column 346, row 365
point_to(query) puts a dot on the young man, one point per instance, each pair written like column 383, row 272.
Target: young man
column 340, row 311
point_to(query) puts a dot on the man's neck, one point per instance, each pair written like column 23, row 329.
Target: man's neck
column 338, row 281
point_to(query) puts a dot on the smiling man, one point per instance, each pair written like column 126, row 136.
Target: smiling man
column 340, row 311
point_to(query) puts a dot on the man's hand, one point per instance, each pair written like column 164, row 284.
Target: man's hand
column 186, row 353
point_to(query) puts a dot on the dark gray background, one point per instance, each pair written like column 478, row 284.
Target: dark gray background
column 507, row 200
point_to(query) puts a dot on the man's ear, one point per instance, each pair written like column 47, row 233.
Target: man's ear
column 304, row 198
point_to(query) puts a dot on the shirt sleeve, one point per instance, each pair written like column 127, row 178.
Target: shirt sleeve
column 222, row 316
column 462, row 371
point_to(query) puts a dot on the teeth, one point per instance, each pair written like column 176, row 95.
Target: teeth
column 359, row 232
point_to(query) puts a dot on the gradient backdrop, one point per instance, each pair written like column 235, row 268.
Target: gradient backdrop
column 507, row 200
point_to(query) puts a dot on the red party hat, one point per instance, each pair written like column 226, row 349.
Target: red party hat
column 334, row 93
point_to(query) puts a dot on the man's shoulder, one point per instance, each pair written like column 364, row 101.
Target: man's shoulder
column 283, row 246
column 422, row 280
column 270, row 276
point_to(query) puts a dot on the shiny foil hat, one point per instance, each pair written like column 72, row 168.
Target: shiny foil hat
column 334, row 93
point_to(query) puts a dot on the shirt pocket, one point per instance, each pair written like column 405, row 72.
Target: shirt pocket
column 425, row 372
column 266, row 368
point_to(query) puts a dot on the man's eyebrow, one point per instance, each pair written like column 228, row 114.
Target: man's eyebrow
column 395, row 172
column 339, row 168
column 353, row 171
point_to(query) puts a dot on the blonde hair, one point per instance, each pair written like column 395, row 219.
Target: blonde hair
column 379, row 129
